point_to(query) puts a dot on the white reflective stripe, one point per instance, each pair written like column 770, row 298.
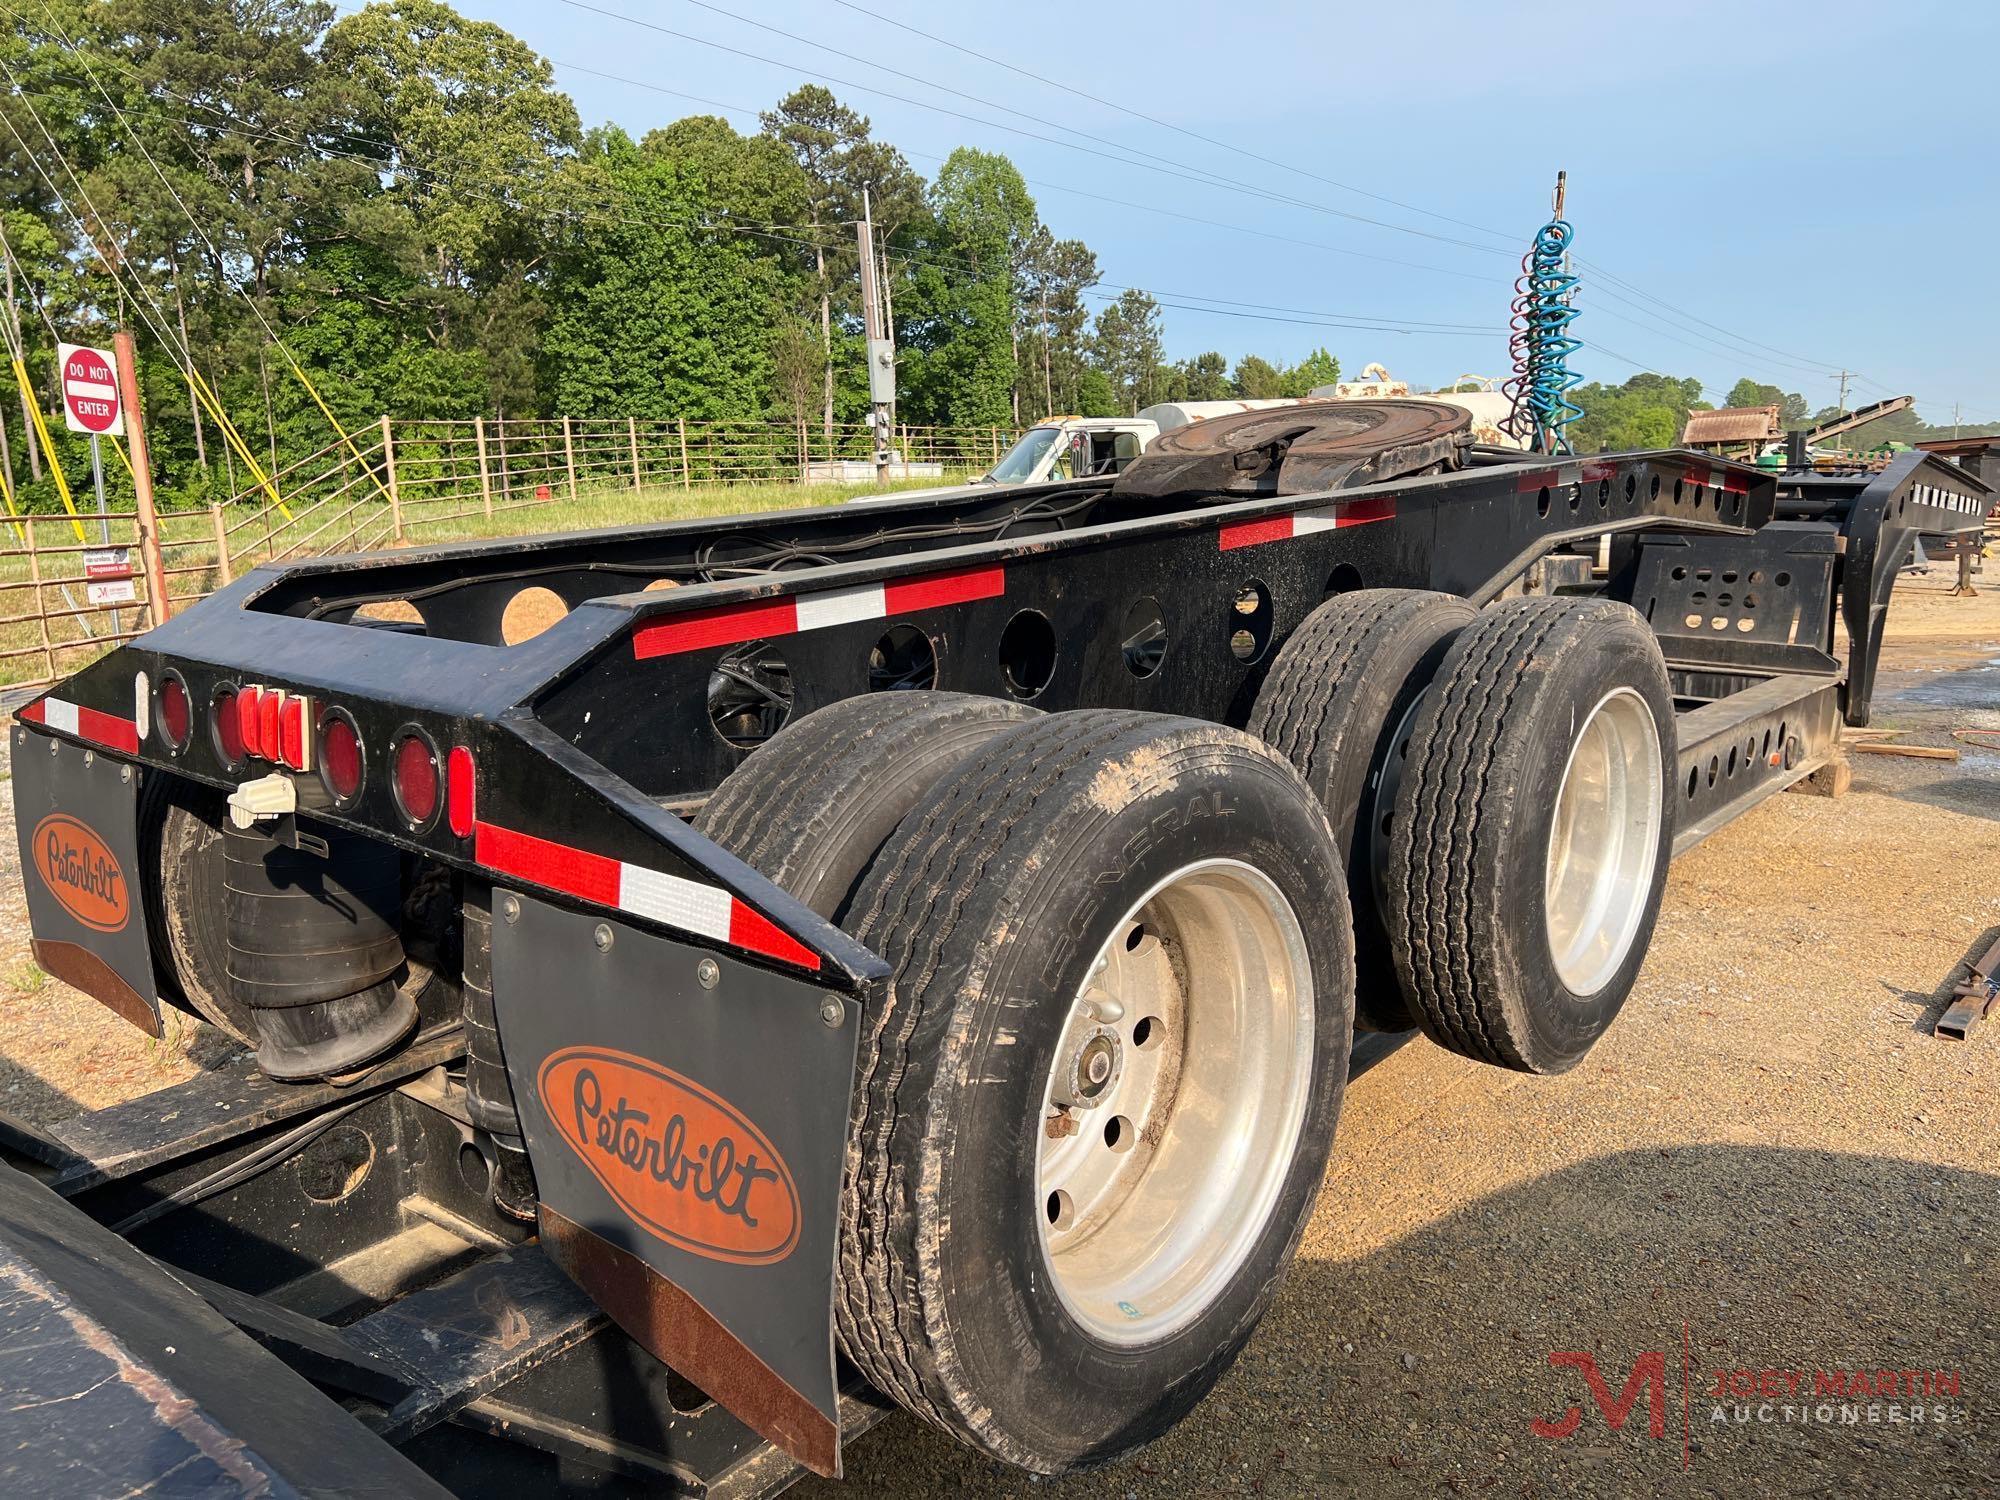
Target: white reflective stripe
column 1306, row 522
column 60, row 715
column 841, row 607
column 686, row 904
column 142, row 704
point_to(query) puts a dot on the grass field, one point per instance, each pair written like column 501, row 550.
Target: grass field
column 78, row 632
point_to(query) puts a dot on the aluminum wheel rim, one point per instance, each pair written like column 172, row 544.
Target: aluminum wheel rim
column 1152, row 1191
column 1604, row 841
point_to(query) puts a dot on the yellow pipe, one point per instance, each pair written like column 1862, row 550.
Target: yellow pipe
column 49, row 449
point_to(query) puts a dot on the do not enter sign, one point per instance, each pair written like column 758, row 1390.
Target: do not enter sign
column 90, row 389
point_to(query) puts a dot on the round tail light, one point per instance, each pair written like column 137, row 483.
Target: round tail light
column 226, row 722
column 176, row 714
column 416, row 779
column 341, row 763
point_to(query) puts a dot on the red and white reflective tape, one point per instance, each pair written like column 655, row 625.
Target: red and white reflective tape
column 1722, row 479
column 655, row 895
column 1305, row 523
column 1552, row 479
column 92, row 724
column 732, row 624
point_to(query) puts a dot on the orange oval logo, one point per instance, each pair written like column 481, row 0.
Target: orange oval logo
column 81, row 870
column 685, row 1164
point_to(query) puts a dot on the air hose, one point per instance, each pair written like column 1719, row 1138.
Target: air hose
column 1544, row 308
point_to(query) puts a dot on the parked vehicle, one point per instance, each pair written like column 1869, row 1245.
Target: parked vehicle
column 912, row 961
column 1083, row 447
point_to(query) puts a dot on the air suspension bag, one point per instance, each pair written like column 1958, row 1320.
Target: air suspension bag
column 314, row 950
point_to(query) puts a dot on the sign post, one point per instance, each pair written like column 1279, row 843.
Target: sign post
column 91, row 404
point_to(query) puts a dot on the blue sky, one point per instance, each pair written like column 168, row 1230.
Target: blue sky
column 1704, row 143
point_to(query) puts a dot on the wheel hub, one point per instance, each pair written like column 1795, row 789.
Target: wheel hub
column 1175, row 1101
column 1604, row 842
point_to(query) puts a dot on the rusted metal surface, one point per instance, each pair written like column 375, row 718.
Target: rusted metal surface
column 673, row 1327
column 1974, row 997
column 1301, row 450
column 76, row 965
column 1732, row 424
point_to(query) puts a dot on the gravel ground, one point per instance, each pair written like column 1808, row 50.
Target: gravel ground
column 1769, row 1165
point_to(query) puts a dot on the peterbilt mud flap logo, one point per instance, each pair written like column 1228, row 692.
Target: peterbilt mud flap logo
column 685, row 1165
column 80, row 870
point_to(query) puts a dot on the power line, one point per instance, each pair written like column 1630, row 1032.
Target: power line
column 1163, row 124
column 1192, row 174
column 1814, row 365
column 1057, row 187
column 1181, row 301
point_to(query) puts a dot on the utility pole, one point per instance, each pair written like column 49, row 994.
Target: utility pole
column 881, row 348
column 1954, row 419
column 1845, row 376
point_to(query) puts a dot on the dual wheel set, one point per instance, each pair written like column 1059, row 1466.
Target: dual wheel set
column 1129, row 952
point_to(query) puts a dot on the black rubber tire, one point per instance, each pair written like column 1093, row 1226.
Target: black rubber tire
column 810, row 806
column 181, row 824
column 1472, row 823
column 1337, row 694
column 990, row 902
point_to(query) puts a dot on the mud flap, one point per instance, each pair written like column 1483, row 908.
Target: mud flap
column 687, row 1140
column 76, row 813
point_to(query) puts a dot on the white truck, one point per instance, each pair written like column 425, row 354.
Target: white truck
column 1077, row 447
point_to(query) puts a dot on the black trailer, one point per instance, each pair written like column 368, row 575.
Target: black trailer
column 904, row 954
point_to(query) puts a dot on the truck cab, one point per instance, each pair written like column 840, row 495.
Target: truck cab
column 1072, row 448
column 1085, row 447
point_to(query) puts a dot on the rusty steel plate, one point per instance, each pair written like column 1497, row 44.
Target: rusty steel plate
column 1301, row 450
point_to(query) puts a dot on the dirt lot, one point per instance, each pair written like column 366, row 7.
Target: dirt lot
column 1769, row 1166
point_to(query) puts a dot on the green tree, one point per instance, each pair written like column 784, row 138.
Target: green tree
column 961, row 323
column 840, row 160
column 1129, row 348
column 1057, row 352
column 471, row 138
column 1791, row 406
column 655, row 320
column 1647, row 411
column 1316, row 369
column 1205, row 378
column 1094, row 395
column 1257, row 379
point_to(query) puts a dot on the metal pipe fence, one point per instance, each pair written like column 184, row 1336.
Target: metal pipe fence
column 63, row 601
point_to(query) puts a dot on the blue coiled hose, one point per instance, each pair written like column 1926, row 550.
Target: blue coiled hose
column 1541, row 343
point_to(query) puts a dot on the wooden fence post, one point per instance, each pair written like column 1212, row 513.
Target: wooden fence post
column 485, row 478
column 389, row 467
column 632, row 429
column 686, row 477
column 569, row 459
column 223, row 576
column 142, row 476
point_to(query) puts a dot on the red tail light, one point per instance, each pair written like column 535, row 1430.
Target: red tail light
column 341, row 764
column 459, row 792
column 295, row 733
column 270, row 703
column 176, row 716
column 416, row 779
column 250, row 719
column 228, row 726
